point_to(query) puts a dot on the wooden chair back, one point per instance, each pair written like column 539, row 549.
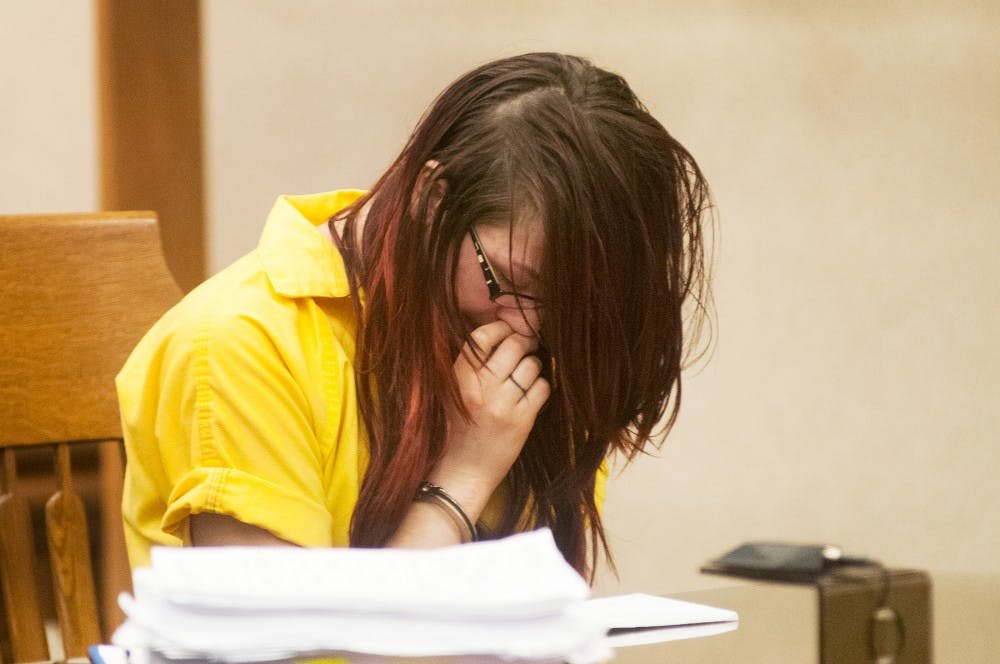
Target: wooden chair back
column 77, row 292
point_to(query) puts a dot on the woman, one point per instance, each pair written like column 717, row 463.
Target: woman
column 452, row 354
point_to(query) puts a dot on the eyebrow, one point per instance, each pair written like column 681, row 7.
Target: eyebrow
column 517, row 266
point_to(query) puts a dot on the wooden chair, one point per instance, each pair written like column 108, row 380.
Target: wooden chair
column 77, row 292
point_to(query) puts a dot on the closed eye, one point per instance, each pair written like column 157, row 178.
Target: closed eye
column 508, row 284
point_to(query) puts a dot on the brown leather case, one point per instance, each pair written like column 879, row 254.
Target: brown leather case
column 857, row 626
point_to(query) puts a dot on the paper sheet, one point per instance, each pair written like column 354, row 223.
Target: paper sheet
column 513, row 599
column 519, row 576
column 641, row 610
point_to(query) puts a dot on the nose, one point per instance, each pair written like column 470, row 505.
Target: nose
column 526, row 321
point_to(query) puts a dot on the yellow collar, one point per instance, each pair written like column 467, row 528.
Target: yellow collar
column 299, row 260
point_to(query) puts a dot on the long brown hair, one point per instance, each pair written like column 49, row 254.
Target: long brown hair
column 623, row 274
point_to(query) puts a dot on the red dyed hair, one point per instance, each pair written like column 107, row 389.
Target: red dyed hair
column 622, row 204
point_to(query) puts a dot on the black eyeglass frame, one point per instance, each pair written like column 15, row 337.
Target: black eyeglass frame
column 516, row 300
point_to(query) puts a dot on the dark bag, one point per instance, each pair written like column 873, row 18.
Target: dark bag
column 867, row 613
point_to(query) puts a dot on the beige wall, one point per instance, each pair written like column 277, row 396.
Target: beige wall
column 852, row 394
column 854, row 158
column 48, row 125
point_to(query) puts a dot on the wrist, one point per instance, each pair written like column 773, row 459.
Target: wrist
column 432, row 493
column 468, row 490
column 427, row 525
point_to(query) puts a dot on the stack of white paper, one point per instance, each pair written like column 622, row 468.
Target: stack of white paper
column 509, row 599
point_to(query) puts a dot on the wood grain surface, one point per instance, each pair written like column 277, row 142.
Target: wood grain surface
column 69, row 555
column 77, row 292
column 25, row 629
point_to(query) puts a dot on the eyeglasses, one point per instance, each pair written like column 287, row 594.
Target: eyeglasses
column 507, row 299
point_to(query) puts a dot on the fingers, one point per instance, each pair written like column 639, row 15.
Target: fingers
column 538, row 393
column 485, row 338
column 497, row 366
column 508, row 355
column 525, row 374
column 497, row 347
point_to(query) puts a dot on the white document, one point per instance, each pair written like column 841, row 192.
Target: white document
column 508, row 598
column 638, row 619
column 512, row 599
column 266, row 636
column 639, row 610
column 519, row 576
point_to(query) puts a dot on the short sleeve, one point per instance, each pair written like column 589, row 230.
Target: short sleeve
column 247, row 444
